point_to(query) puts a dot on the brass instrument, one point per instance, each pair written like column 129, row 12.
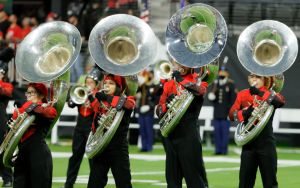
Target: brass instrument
column 163, row 69
column 123, row 45
column 44, row 55
column 195, row 37
column 79, row 94
column 266, row 48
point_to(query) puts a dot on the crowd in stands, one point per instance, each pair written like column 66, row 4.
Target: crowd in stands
column 14, row 28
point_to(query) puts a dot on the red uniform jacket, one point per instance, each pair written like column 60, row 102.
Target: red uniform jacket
column 48, row 112
column 170, row 88
column 244, row 99
column 86, row 109
column 6, row 88
column 99, row 109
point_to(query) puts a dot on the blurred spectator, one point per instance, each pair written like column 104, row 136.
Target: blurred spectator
column 128, row 6
column 75, row 7
column 112, row 7
column 222, row 96
column 146, row 104
column 4, row 22
column 78, row 67
column 14, row 32
column 34, row 22
column 145, row 12
column 26, row 27
column 93, row 15
column 87, row 68
column 52, row 16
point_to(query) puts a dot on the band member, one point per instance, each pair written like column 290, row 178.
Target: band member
column 222, row 97
column 115, row 156
column 82, row 128
column 6, row 91
column 34, row 166
column 260, row 152
column 183, row 145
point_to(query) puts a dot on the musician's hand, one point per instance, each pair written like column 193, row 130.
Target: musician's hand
column 247, row 113
column 103, row 97
column 30, row 109
column 177, row 76
column 255, row 91
column 159, row 111
column 144, row 108
column 170, row 98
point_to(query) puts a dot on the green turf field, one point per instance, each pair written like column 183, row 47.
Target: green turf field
column 148, row 169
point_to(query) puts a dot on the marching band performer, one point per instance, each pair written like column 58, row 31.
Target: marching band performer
column 183, row 145
column 260, row 152
column 115, row 156
column 82, row 128
column 34, row 166
column 6, row 91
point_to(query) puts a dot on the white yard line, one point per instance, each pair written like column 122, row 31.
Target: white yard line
column 147, row 157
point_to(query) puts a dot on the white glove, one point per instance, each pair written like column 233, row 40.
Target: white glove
column 211, row 96
column 144, row 108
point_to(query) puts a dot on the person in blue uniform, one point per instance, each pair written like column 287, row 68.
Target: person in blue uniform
column 222, row 97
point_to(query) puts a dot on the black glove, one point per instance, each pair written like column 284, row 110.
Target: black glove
column 177, row 76
column 255, row 91
column 247, row 113
column 170, row 98
column 71, row 104
column 158, row 91
column 91, row 98
column 30, row 109
column 103, row 97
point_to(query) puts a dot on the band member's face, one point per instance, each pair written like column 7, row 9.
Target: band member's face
column 255, row 80
column 90, row 83
column 109, row 86
column 182, row 69
column 32, row 95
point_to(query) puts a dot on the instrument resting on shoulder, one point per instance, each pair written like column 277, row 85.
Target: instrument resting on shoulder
column 45, row 54
column 195, row 37
column 123, row 45
column 266, row 48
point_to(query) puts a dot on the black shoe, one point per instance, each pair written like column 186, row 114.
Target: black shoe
column 7, row 184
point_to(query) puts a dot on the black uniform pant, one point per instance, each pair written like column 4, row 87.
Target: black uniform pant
column 184, row 157
column 33, row 167
column 78, row 149
column 262, row 155
column 115, row 158
column 6, row 173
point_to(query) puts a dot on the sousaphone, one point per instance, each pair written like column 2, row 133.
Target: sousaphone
column 195, row 37
column 266, row 48
column 123, row 45
column 45, row 54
